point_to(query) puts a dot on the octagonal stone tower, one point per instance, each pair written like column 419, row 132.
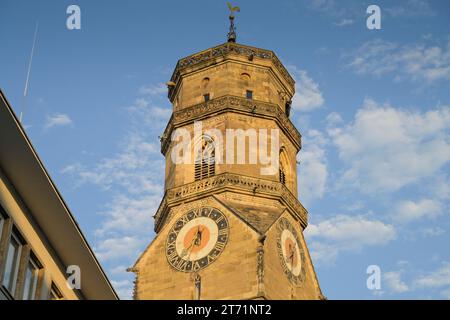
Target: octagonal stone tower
column 229, row 227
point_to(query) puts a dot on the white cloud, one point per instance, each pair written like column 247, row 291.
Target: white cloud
column 417, row 62
column 148, row 113
column 385, row 148
column 346, row 233
column 331, row 8
column 410, row 8
column 407, row 211
column 394, row 282
column 118, row 269
column 313, row 172
column 446, row 294
column 333, row 119
column 153, row 90
column 433, row 232
column 339, row 14
column 57, row 120
column 435, row 279
column 344, row 22
column 308, row 95
column 119, row 247
column 131, row 168
column 133, row 178
column 130, row 214
column 124, row 288
column 355, row 206
column 133, row 181
column 441, row 186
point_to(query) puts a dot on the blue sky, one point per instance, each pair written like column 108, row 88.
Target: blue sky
column 373, row 107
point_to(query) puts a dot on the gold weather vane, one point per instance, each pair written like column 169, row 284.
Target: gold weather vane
column 232, row 32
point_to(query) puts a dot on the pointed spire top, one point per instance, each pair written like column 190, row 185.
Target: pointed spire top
column 232, row 32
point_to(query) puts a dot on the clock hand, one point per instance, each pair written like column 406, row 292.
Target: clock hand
column 291, row 256
column 197, row 242
column 198, row 239
column 193, row 243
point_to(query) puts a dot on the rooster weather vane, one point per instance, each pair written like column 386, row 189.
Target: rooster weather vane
column 232, row 32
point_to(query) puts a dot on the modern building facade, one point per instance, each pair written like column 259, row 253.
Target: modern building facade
column 39, row 237
column 227, row 228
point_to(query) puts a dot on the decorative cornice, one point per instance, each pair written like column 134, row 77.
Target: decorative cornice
column 226, row 104
column 208, row 57
column 231, row 181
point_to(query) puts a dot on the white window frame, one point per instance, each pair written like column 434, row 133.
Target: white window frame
column 30, row 294
column 2, row 223
column 55, row 293
column 12, row 282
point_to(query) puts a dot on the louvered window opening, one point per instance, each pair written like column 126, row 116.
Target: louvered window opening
column 282, row 175
column 205, row 164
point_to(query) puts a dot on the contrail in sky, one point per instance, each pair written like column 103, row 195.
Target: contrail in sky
column 25, row 91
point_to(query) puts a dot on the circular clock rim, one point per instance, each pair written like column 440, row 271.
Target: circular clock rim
column 299, row 279
column 288, row 234
column 199, row 209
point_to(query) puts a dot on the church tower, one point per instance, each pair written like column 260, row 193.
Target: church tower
column 230, row 225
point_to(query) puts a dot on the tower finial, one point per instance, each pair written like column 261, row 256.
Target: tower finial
column 232, row 32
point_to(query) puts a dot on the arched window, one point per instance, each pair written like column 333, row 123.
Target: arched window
column 245, row 77
column 284, row 168
column 287, row 108
column 205, row 160
column 282, row 174
column 205, row 84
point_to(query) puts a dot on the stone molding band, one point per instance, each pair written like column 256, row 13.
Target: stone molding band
column 229, row 181
column 226, row 104
column 224, row 50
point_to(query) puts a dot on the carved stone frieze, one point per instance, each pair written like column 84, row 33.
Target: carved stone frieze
column 230, row 181
column 227, row 104
column 208, row 56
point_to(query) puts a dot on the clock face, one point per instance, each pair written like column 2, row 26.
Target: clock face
column 290, row 252
column 197, row 239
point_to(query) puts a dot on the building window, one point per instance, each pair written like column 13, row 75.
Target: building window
column 282, row 175
column 55, row 294
column 245, row 77
column 285, row 173
column 2, row 222
column 249, row 94
column 206, row 97
column 287, row 108
column 12, row 263
column 205, row 162
column 31, row 279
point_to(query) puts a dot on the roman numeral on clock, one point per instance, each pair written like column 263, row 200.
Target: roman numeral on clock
column 184, row 219
column 220, row 245
column 181, row 264
column 196, row 266
column 171, row 247
column 173, row 259
column 220, row 219
column 173, row 253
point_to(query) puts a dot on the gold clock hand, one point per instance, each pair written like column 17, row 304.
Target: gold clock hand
column 197, row 241
column 291, row 256
column 188, row 250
